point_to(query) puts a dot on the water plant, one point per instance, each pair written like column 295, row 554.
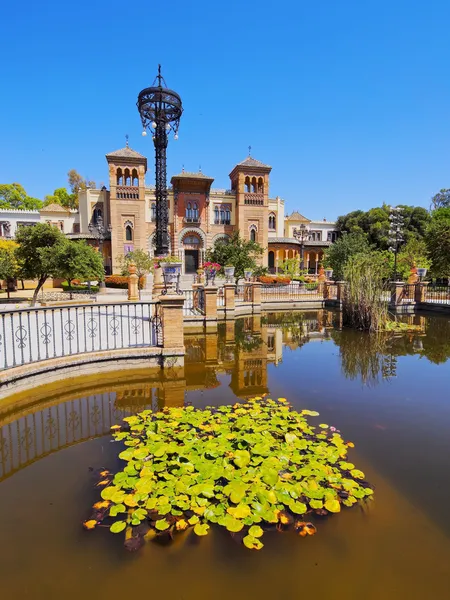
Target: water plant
column 248, row 468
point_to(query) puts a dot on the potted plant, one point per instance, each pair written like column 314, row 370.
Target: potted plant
column 421, row 272
column 211, row 269
column 248, row 274
column 229, row 273
column 171, row 269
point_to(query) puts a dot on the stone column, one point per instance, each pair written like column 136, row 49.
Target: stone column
column 158, row 283
column 172, row 320
column 340, row 285
column 133, row 280
column 230, row 298
column 256, row 296
column 420, row 293
column 211, row 308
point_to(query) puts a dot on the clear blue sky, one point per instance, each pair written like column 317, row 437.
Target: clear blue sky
column 348, row 101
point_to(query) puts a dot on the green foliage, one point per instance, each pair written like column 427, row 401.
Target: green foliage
column 241, row 254
column 441, row 199
column 78, row 182
column 347, row 246
column 38, row 253
column 362, row 305
column 438, row 244
column 78, row 260
column 9, row 268
column 290, row 266
column 62, row 197
column 143, row 262
column 14, row 196
column 242, row 467
column 413, row 254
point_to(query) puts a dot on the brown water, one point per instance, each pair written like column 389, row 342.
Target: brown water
column 388, row 396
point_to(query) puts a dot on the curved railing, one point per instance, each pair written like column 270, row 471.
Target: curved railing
column 35, row 334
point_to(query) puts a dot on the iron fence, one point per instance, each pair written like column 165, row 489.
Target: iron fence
column 194, row 303
column 239, row 294
column 437, row 294
column 292, row 291
column 221, row 297
column 409, row 294
column 35, row 334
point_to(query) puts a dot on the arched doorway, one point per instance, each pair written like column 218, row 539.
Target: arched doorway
column 192, row 245
column 271, row 259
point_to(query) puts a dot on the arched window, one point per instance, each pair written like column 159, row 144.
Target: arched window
column 216, row 215
column 272, row 221
column 254, row 185
column 195, row 211
column 127, row 177
column 222, row 216
column 135, row 178
column 260, row 185
column 247, row 184
column 128, row 233
column 271, row 259
column 153, row 212
column 227, row 217
column 119, row 177
column 253, row 235
column 189, row 210
column 97, row 214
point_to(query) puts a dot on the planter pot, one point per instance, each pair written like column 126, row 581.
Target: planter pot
column 229, row 274
column 171, row 271
column 158, row 277
column 247, row 274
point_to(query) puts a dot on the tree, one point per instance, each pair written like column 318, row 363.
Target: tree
column 438, row 244
column 338, row 254
column 413, row 254
column 37, row 253
column 141, row 259
column 8, row 265
column 236, row 251
column 441, row 199
column 78, row 260
column 13, row 195
column 62, row 197
column 77, row 182
column 290, row 267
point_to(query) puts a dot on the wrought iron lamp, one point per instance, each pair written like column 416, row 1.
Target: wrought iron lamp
column 397, row 223
column 98, row 230
column 160, row 110
column 301, row 234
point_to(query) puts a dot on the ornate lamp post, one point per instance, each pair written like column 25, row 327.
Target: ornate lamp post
column 160, row 110
column 301, row 234
column 397, row 223
column 98, row 230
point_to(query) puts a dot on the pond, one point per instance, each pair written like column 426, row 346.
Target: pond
column 389, row 395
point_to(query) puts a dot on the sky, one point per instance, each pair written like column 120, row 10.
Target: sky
column 348, row 101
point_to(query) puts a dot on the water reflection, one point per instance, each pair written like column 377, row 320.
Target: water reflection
column 236, row 360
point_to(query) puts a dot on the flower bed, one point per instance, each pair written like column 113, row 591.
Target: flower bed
column 248, row 468
column 121, row 281
column 274, row 280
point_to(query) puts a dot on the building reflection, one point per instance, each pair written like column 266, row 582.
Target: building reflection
column 59, row 415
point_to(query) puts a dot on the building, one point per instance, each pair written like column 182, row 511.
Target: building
column 199, row 215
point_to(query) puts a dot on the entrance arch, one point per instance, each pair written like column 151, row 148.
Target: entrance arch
column 192, row 246
column 271, row 259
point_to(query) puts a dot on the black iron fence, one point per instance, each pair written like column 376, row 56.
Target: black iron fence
column 437, row 294
column 35, row 334
column 292, row 291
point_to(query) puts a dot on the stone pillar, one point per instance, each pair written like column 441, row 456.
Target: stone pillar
column 172, row 320
column 420, row 293
column 133, row 280
column 326, row 290
column 229, row 332
column 230, row 297
column 210, row 308
column 158, row 283
column 256, row 296
column 397, row 292
column 340, row 285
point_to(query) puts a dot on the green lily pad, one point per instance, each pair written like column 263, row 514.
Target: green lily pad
column 118, row 526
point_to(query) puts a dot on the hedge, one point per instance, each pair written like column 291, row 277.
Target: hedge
column 121, row 281
column 274, row 280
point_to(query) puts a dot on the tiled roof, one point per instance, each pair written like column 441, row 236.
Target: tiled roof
column 296, row 216
column 190, row 175
column 55, row 208
column 252, row 162
column 126, row 153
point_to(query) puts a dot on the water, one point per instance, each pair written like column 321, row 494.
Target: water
column 389, row 396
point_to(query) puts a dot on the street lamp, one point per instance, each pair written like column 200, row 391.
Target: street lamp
column 160, row 110
column 301, row 234
column 99, row 232
column 397, row 222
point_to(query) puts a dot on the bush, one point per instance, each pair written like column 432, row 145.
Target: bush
column 78, row 288
column 121, row 282
column 274, row 280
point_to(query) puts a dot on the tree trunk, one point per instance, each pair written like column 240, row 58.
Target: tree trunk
column 41, row 282
column 23, row 283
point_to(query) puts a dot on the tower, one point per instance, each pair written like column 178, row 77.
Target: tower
column 127, row 170
column 250, row 182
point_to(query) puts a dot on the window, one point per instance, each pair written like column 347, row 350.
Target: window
column 222, row 215
column 127, row 177
column 96, row 215
column 189, row 210
column 272, row 221
column 191, row 240
column 195, row 211
column 227, row 217
column 253, row 235
column 128, row 233
column 135, row 178
column 153, row 211
column 119, row 177
column 216, row 215
column 331, row 236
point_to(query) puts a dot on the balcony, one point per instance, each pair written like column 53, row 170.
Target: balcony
column 254, row 199
column 222, row 222
column 192, row 220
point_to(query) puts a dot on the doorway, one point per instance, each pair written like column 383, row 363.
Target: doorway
column 190, row 261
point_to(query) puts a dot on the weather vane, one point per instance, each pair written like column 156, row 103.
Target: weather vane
column 126, row 137
column 249, row 150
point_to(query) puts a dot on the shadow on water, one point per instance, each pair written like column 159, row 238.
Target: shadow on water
column 387, row 393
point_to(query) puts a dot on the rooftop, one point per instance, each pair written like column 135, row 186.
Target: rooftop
column 252, row 162
column 191, row 175
column 126, row 152
column 287, row 240
column 296, row 216
column 55, row 208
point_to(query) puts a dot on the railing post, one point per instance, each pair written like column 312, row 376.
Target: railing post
column 326, row 290
column 397, row 292
column 133, row 284
column 340, row 290
column 230, row 298
column 420, row 292
column 210, row 307
column 256, row 296
column 248, row 293
column 172, row 321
